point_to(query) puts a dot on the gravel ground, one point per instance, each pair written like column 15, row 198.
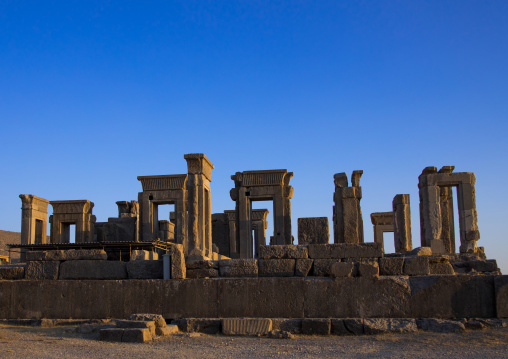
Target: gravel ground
column 64, row 342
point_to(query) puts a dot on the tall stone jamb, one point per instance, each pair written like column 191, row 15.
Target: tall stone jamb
column 77, row 212
column 199, row 206
column 434, row 213
column 447, row 220
column 402, row 223
column 347, row 213
column 382, row 222
column 161, row 190
column 262, row 186
column 259, row 225
column 34, row 219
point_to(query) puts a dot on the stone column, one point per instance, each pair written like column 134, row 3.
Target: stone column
column 233, row 237
column 199, row 200
column 348, row 220
column 402, row 223
column 468, row 216
column 34, row 219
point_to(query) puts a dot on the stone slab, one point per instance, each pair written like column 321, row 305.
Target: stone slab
column 283, row 252
column 144, row 269
column 342, row 269
column 202, row 264
column 36, row 270
column 202, row 273
column 452, row 296
column 148, row 324
column 165, row 331
column 489, row 265
column 111, row 334
column 316, row 326
column 277, row 267
column 441, row 268
column 246, row 326
column 93, row 269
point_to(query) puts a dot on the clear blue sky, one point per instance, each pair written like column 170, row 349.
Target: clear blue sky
column 95, row 93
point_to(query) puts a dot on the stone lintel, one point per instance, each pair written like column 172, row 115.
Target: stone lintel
column 73, row 206
column 381, row 218
column 163, row 182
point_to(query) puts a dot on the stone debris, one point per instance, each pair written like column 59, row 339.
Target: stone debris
column 246, row 326
column 158, row 319
column 440, row 325
column 201, row 325
column 166, row 331
column 280, row 334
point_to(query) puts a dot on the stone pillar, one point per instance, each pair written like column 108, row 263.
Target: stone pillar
column 447, row 216
column 259, row 225
column 347, row 213
column 34, row 219
column 199, row 206
column 468, row 216
column 233, row 237
column 402, row 223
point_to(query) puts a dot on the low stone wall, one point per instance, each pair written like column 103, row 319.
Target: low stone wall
column 443, row 296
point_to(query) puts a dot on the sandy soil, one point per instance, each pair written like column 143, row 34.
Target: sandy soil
column 64, row 342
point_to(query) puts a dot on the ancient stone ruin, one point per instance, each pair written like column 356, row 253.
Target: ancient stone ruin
column 198, row 264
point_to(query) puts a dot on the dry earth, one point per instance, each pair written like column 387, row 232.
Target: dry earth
column 64, row 342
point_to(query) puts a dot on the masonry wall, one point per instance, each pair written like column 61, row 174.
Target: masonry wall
column 441, row 296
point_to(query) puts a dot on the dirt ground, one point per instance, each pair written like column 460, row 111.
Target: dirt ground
column 64, row 342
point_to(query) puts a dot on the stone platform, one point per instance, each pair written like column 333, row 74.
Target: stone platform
column 439, row 296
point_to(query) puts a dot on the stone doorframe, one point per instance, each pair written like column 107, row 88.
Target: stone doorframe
column 436, row 209
column 34, row 219
column 270, row 185
column 259, row 225
column 77, row 212
column 383, row 223
column 160, row 190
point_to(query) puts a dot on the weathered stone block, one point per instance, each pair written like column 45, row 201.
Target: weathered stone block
column 144, row 269
column 354, row 326
column 12, row 272
column 501, row 287
column 441, row 268
column 150, row 325
column 440, row 325
column 136, row 335
column 165, row 331
column 202, row 273
column 158, row 319
column 111, row 334
column 265, row 297
column 484, row 265
column 93, row 269
column 246, row 326
column 368, row 269
column 42, row 270
column 322, row 267
column 389, row 325
column 202, row 264
column 277, row 267
column 420, row 251
column 345, row 250
column 391, row 265
column 357, row 297
column 303, row 267
column 82, row 254
column 316, row 326
column 35, row 256
column 313, row 231
column 416, row 266
column 452, row 296
column 201, row 325
column 342, row 269
column 238, row 268
column 293, row 326
column 178, row 268
column 283, row 252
